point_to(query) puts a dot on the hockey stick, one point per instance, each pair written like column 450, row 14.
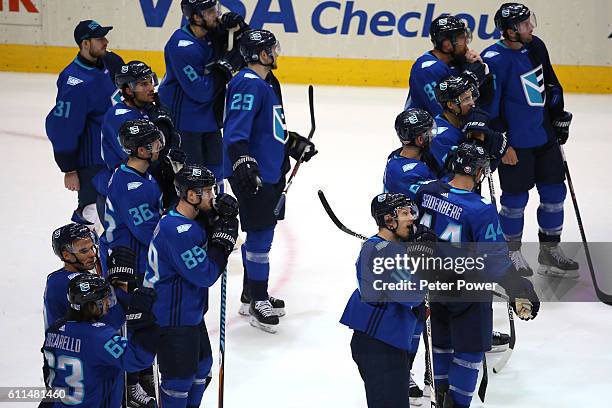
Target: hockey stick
column 504, row 359
column 604, row 297
column 222, row 337
column 283, row 197
column 428, row 343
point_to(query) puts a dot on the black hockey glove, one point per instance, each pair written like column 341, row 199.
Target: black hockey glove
column 561, row 126
column 177, row 159
column 476, row 127
column 523, row 298
column 221, row 70
column 231, row 20
column 299, row 144
column 421, row 233
column 225, row 233
column 478, row 69
column 225, row 205
column 139, row 314
column 120, row 267
column 247, row 176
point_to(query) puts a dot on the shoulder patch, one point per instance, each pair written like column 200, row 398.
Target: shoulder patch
column 72, row 81
column 73, row 275
column 381, row 245
column 184, row 43
column 427, row 64
column 62, row 327
column 251, row 76
column 486, row 200
column 490, row 54
column 183, row 228
column 120, row 112
column 441, row 129
column 98, row 324
column 409, row 166
column 445, row 195
column 134, row 185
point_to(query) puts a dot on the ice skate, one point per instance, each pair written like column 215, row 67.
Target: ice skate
column 554, row 263
column 262, row 316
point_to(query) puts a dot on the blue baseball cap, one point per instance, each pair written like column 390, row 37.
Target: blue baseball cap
column 89, row 29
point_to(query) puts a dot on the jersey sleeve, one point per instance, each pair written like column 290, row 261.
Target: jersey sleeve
column 243, row 103
column 423, row 82
column 112, row 153
column 66, row 123
column 192, row 261
column 554, row 91
column 494, row 107
column 399, row 179
column 491, row 242
column 114, row 350
column 55, row 303
column 140, row 217
column 191, row 75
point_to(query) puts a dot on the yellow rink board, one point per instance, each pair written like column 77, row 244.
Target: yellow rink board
column 303, row 70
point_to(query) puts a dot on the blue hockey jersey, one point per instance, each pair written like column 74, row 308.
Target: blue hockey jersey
column 112, row 152
column 84, row 94
column 186, row 88
column 254, row 116
column 427, row 72
column 402, row 172
column 463, row 216
column 391, row 321
column 446, row 137
column 180, row 269
column 518, row 106
column 133, row 208
column 88, row 360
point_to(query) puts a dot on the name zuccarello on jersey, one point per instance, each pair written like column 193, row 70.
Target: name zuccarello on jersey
column 59, row 341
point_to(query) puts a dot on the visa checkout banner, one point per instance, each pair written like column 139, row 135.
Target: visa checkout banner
column 351, row 42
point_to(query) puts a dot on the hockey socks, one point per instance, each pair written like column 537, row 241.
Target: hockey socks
column 186, row 392
column 255, row 257
column 463, row 375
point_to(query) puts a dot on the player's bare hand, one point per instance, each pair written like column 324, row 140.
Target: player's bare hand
column 510, row 157
column 71, row 181
column 472, row 56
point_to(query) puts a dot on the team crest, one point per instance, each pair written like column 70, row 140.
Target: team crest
column 533, row 86
column 279, row 125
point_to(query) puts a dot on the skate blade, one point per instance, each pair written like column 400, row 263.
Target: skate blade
column 498, row 349
column 262, row 326
column 244, row 309
column 416, row 402
column 552, row 272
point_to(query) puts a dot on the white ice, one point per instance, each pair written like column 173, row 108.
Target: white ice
column 562, row 359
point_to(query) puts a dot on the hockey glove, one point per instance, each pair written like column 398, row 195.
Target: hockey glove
column 120, row 267
column 298, row 145
column 225, row 233
column 247, row 176
column 231, row 20
column 523, row 298
column 177, row 159
column 561, row 126
column 421, row 233
column 139, row 314
column 478, row 70
column 225, row 205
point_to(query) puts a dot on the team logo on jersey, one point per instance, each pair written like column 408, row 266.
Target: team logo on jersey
column 184, row 43
column 279, row 125
column 427, row 64
column 533, row 86
column 84, row 286
column 183, row 228
column 409, row 166
column 134, row 185
column 72, row 81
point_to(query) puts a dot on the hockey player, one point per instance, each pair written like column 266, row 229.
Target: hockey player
column 412, row 162
column 383, row 331
column 76, row 245
column 84, row 94
column 197, row 70
column 86, row 357
column 137, row 82
column 450, row 56
column 528, row 106
column 257, row 147
column 133, row 206
column 457, row 96
column 184, row 261
column 461, row 331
